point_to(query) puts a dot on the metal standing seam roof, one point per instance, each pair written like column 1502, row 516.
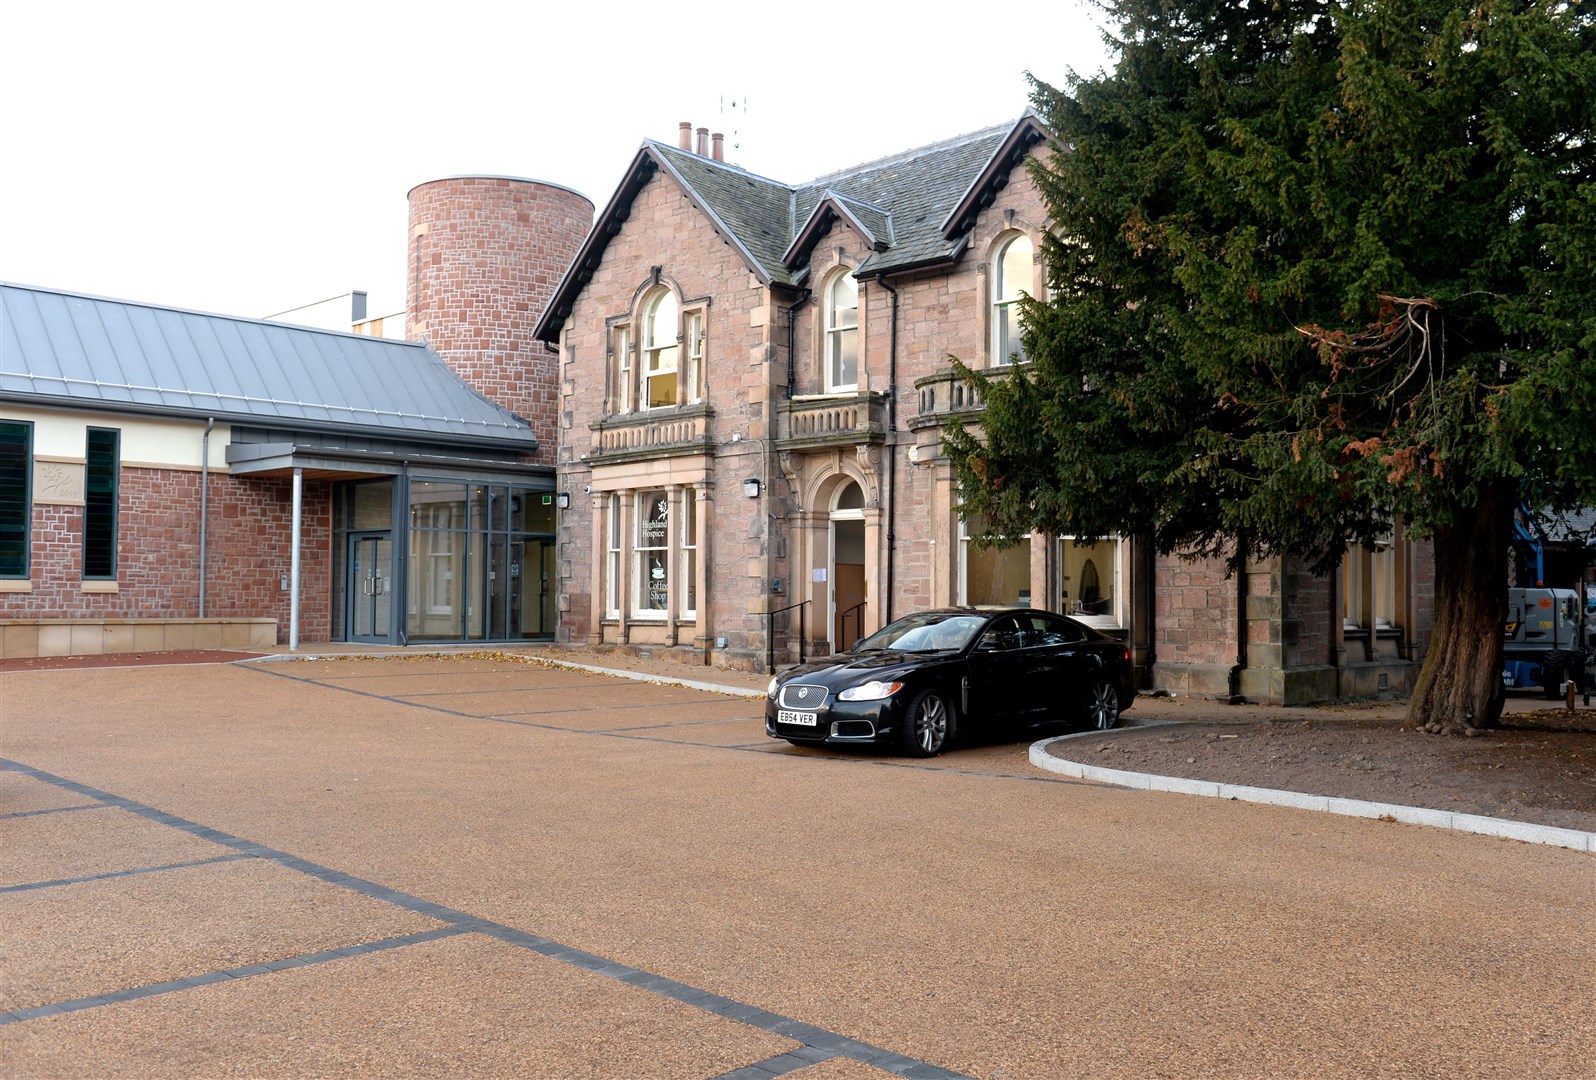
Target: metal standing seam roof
column 91, row 352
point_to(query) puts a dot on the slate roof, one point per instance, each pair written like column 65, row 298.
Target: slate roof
column 914, row 209
column 79, row 351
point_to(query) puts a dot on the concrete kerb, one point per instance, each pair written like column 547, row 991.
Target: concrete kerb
column 1525, row 831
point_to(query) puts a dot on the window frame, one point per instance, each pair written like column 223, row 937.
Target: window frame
column 106, row 532
column 612, row 558
column 838, row 335
column 21, row 532
column 1021, row 543
column 1112, row 581
column 693, row 336
column 687, row 554
column 644, row 591
column 654, row 349
column 1006, row 338
column 621, row 351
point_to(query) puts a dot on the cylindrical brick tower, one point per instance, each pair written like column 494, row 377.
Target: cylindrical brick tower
column 486, row 253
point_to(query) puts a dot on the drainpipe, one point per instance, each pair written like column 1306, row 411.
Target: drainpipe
column 293, row 573
column 892, row 445
column 1241, row 623
column 1149, row 634
column 792, row 340
column 205, row 491
column 400, row 547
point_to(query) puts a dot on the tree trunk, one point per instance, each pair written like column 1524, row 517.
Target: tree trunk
column 1460, row 685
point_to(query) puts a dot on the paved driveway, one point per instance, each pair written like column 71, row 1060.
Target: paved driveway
column 476, row 867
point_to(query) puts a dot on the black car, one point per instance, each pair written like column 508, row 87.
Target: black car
column 917, row 682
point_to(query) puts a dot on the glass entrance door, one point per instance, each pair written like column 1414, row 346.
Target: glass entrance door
column 370, row 588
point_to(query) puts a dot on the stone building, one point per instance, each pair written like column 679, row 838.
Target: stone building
column 753, row 386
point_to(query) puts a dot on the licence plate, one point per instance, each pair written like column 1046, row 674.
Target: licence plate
column 797, row 719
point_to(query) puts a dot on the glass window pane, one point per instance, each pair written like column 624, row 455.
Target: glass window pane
column 99, row 503
column 846, row 369
column 373, row 505
column 16, row 525
column 997, row 577
column 653, row 558
column 662, row 388
column 844, row 302
column 662, row 321
column 531, row 511
column 1015, row 270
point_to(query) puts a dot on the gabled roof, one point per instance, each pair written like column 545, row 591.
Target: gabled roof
column 67, row 349
column 913, row 210
column 872, row 223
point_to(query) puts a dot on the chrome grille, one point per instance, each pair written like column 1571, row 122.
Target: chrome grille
column 801, row 696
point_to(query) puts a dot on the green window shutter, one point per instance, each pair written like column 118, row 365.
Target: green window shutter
column 16, row 498
column 100, row 474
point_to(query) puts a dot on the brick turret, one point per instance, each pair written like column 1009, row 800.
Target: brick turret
column 486, row 253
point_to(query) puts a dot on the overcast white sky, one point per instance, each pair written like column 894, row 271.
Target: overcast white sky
column 249, row 158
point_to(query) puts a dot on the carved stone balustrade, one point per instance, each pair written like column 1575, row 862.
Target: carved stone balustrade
column 834, row 420
column 653, row 434
column 943, row 401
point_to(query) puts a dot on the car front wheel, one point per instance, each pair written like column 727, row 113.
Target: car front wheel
column 1102, row 706
column 927, row 725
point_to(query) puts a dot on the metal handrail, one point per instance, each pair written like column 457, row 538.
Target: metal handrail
column 770, row 634
column 842, row 621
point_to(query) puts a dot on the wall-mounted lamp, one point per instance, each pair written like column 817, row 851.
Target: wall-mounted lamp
column 563, row 500
column 751, row 487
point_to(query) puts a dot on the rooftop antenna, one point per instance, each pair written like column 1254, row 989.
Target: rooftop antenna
column 734, row 108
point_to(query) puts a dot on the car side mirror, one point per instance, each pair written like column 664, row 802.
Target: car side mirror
column 986, row 645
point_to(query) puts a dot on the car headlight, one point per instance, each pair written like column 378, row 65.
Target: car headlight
column 870, row 691
column 770, row 691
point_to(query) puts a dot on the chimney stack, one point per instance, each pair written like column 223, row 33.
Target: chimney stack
column 685, row 138
column 718, row 143
column 703, row 142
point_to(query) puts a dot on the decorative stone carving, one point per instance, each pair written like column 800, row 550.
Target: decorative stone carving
column 57, row 482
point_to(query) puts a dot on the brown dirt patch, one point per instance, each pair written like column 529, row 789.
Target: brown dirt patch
column 1540, row 766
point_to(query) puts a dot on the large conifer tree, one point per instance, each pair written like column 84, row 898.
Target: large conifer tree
column 1314, row 265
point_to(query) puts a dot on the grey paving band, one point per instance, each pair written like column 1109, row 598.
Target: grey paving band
column 212, row 977
column 827, row 1042
column 52, row 810
column 780, row 1065
column 121, row 873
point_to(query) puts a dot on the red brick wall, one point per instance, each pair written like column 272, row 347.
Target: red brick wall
column 1195, row 614
column 249, row 541
column 1307, row 629
column 485, row 257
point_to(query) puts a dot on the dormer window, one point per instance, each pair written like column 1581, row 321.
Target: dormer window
column 661, row 332
column 842, row 333
column 1013, row 279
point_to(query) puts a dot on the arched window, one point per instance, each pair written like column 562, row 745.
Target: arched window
column 842, row 333
column 661, row 329
column 1012, row 279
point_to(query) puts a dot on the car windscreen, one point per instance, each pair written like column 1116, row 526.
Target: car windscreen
column 931, row 632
